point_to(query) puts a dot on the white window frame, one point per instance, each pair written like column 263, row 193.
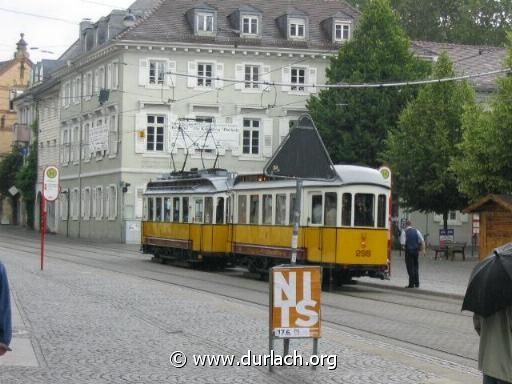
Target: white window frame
column 202, row 78
column 90, row 85
column 295, row 87
column 115, row 75
column 74, row 204
column 101, row 80
column 156, row 126
column 75, row 150
column 113, row 136
column 251, row 129
column 250, row 19
column 247, row 83
column 294, row 25
column 202, row 22
column 66, row 144
column 160, row 68
column 341, row 26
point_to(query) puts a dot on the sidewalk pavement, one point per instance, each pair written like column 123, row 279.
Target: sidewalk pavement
column 441, row 276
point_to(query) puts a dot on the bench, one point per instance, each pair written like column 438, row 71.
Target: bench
column 450, row 248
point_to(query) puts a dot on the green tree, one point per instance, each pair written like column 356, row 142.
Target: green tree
column 354, row 122
column 9, row 166
column 421, row 148
column 484, row 164
column 26, row 179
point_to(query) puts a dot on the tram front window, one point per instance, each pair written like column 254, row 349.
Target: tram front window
column 208, row 210
column 254, row 214
column 267, row 209
column 346, row 211
column 198, row 208
column 167, row 209
column 364, row 210
column 381, row 212
column 219, row 211
column 176, row 210
column 150, row 209
column 331, row 207
column 185, row 210
column 242, row 209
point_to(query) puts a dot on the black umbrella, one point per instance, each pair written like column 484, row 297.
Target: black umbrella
column 490, row 285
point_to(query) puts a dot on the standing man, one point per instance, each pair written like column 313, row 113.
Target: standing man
column 5, row 312
column 495, row 352
column 412, row 239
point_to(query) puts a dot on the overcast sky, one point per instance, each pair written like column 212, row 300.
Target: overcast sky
column 53, row 26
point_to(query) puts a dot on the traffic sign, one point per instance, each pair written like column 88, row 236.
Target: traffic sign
column 51, row 183
column 302, row 155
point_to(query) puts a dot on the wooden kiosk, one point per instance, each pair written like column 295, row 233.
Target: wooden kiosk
column 495, row 221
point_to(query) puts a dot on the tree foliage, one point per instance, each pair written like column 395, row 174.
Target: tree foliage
column 421, row 148
column 476, row 22
column 9, row 166
column 354, row 122
column 484, row 164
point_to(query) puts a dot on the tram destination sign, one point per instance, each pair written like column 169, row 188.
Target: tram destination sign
column 302, row 155
column 295, row 301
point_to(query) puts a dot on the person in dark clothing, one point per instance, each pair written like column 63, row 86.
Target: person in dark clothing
column 5, row 312
column 412, row 239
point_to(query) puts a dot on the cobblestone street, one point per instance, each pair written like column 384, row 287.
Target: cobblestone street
column 80, row 324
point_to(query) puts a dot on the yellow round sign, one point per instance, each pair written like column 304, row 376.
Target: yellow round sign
column 51, row 173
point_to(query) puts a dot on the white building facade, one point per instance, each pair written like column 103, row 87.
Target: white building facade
column 182, row 88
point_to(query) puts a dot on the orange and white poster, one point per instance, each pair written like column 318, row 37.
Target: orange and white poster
column 295, row 301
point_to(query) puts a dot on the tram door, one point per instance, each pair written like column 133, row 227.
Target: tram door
column 320, row 234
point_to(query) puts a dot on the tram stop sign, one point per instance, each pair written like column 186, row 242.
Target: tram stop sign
column 302, row 155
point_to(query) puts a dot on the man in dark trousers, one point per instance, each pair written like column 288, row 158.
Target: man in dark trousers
column 5, row 312
column 412, row 239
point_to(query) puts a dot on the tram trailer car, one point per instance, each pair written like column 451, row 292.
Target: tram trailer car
column 215, row 217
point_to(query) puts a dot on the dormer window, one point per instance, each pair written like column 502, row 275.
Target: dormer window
column 205, row 22
column 341, row 31
column 250, row 25
column 297, row 28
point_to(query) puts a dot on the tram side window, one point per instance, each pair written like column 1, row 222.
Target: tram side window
column 331, row 208
column 292, row 208
column 176, row 209
column 151, row 209
column 381, row 211
column 346, row 211
column 185, row 209
column 198, row 209
column 242, row 209
column 167, row 209
column 229, row 218
column 254, row 208
column 145, row 209
column 208, row 210
column 316, row 209
column 158, row 209
column 280, row 209
column 267, row 209
column 219, row 211
column 364, row 210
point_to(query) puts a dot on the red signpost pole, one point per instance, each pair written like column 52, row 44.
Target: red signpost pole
column 43, row 228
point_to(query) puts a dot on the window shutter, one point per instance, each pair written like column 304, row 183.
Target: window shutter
column 171, row 77
column 192, row 71
column 82, row 206
column 238, row 121
column 96, row 82
column 286, row 78
column 140, row 133
column 268, row 131
column 109, row 76
column 239, row 76
column 143, row 72
column 312, row 79
column 93, row 201
column 284, row 128
column 219, row 73
column 266, row 77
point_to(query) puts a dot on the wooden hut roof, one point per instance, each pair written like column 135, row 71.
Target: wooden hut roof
column 504, row 201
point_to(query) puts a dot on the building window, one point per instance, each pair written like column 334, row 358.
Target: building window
column 156, row 72
column 89, row 84
column 251, row 137
column 101, row 79
column 250, row 25
column 155, row 133
column 115, row 75
column 297, row 28
column 204, row 22
column 205, row 74
column 251, row 74
column 112, row 138
column 74, row 204
column 76, row 143
column 64, row 204
column 98, row 204
column 87, row 204
column 341, row 32
column 298, row 79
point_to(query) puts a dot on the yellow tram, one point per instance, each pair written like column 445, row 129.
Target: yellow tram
column 217, row 217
